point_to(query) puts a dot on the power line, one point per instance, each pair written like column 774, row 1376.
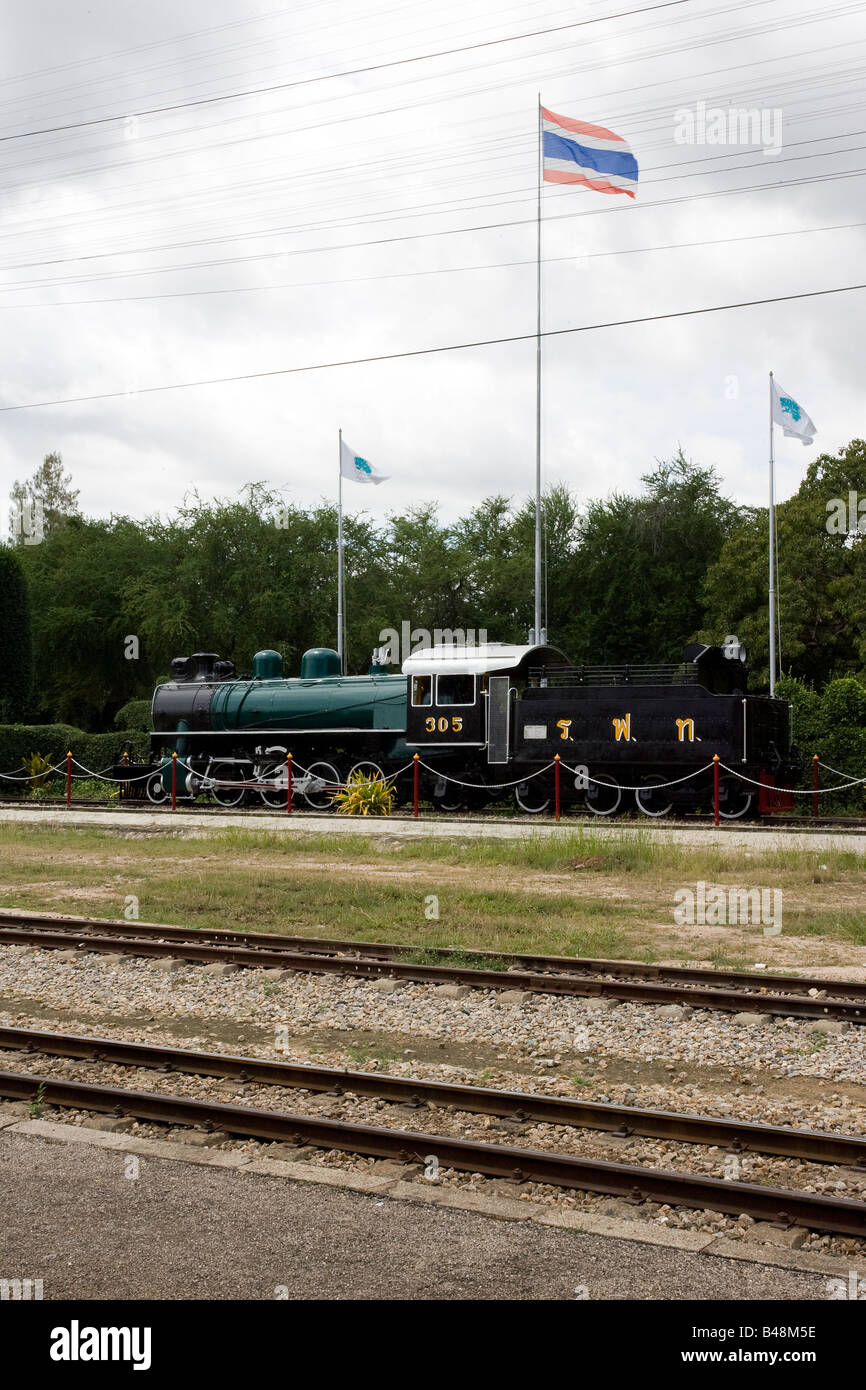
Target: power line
column 430, row 209
column 441, row 270
column 422, row 236
column 320, row 125
column 348, row 72
column 428, row 352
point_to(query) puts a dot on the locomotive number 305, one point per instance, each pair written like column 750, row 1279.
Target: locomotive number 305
column 443, row 725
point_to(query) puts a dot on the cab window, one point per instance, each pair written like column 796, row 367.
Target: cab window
column 455, row 690
column 422, row 690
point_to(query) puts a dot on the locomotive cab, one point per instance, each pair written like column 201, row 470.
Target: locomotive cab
column 462, row 695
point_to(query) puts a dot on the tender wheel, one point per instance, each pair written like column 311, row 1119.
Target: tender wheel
column 651, row 802
column 227, row 795
column 735, row 798
column 321, row 798
column 156, row 792
column 448, row 796
column 603, row 796
column 533, row 796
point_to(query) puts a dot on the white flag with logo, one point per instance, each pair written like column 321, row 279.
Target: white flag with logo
column 791, row 416
column 353, row 466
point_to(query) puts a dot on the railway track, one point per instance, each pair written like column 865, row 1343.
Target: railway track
column 772, row 821
column 733, row 991
column 841, row 1215
column 733, row 1135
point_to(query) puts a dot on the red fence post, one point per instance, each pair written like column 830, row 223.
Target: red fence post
column 174, row 781
column 716, row 788
column 815, row 784
column 556, row 801
column 68, row 780
column 288, row 784
column 415, row 776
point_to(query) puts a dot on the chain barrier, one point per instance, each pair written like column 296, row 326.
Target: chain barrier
column 296, row 767
column 836, row 773
column 30, row 776
column 86, row 774
column 486, row 786
column 644, row 786
column 789, row 791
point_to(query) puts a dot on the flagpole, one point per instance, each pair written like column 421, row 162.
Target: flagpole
column 772, row 613
column 340, row 549
column 537, row 629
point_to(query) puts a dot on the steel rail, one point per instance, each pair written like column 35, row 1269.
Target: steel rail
column 131, row 939
column 391, row 951
column 817, row 1211
column 736, row 1136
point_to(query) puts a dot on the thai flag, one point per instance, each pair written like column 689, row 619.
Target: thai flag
column 576, row 152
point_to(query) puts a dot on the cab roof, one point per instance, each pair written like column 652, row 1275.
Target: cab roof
column 478, row 660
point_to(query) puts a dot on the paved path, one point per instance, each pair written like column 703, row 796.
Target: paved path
column 200, row 823
column 69, row 1216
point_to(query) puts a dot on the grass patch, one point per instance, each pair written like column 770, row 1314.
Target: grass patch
column 583, row 852
column 608, row 895
column 460, row 960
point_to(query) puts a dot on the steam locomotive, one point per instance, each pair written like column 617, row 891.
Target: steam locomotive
column 486, row 721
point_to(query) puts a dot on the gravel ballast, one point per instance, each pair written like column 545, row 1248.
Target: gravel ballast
column 777, row 1071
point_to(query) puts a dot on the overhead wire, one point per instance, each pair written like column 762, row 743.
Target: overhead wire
column 433, row 351
column 345, row 73
column 426, row 210
column 803, row 181
column 445, row 270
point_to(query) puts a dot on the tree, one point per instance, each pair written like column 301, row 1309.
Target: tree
column 832, row 724
column 77, row 579
column 48, row 495
column 112, row 601
column 637, row 575
column 822, row 576
column 16, row 656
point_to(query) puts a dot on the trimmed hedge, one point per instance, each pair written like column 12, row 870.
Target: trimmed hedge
column 95, row 751
column 135, row 714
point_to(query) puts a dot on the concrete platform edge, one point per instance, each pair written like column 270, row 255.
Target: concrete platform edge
column 497, row 1208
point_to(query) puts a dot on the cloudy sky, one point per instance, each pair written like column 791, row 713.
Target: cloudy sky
column 337, row 202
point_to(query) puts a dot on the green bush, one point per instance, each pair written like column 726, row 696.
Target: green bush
column 365, row 796
column 135, row 714
column 18, row 742
column 833, row 725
